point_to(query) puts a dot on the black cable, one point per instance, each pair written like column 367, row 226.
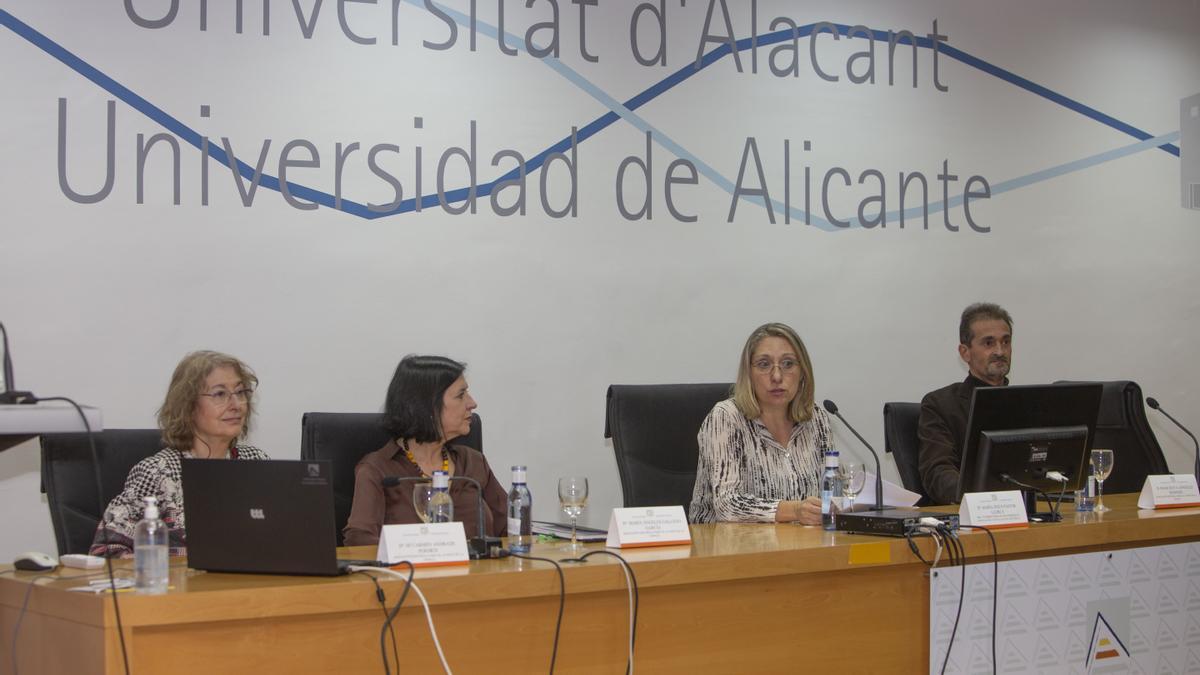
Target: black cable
column 1036, row 490
column 1062, row 492
column 562, row 601
column 962, row 590
column 958, row 547
column 951, row 549
column 1056, row 504
column 995, row 584
column 103, row 507
column 382, row 598
column 387, row 621
column 912, row 545
column 636, row 599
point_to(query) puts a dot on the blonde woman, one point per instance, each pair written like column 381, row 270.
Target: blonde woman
column 206, row 413
column 762, row 451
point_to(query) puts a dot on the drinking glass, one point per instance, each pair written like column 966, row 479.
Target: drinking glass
column 572, row 496
column 1102, row 465
column 421, row 494
column 852, row 475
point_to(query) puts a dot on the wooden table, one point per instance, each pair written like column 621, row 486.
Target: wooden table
column 742, row 598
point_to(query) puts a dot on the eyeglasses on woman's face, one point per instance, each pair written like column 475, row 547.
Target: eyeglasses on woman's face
column 223, row 397
column 785, row 365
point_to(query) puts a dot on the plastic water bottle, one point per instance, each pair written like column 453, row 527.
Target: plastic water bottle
column 441, row 507
column 520, row 504
column 150, row 553
column 1086, row 499
column 831, row 491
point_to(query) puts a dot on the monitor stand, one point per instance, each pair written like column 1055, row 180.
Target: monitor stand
column 1031, row 501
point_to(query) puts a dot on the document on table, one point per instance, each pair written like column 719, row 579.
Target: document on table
column 563, row 531
column 103, row 584
column 893, row 495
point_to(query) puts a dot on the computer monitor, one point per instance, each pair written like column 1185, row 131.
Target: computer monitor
column 1025, row 431
column 1026, row 456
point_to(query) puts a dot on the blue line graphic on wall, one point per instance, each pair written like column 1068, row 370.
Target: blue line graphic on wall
column 617, row 111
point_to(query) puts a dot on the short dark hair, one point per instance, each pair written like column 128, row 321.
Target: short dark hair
column 980, row 311
column 413, row 407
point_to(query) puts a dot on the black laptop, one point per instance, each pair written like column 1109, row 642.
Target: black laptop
column 269, row 516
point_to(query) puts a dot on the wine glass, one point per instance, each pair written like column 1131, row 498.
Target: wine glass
column 421, row 494
column 853, row 475
column 572, row 496
column 1102, row 465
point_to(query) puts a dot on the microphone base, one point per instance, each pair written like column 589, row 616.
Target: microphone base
column 484, row 548
column 17, row 397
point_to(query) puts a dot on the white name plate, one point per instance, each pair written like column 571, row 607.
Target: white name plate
column 993, row 509
column 1169, row 492
column 423, row 544
column 648, row 526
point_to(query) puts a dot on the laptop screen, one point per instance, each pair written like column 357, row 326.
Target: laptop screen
column 269, row 516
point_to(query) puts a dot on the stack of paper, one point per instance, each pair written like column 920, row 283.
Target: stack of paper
column 563, row 531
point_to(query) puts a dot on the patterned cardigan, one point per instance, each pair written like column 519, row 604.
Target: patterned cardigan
column 159, row 475
column 743, row 472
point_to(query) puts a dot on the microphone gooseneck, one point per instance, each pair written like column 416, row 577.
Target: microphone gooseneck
column 1153, row 403
column 832, row 409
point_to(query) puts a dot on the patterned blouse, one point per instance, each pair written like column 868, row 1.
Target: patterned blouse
column 159, row 475
column 743, row 472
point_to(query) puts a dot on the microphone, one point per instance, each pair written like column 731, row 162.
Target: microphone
column 1153, row 403
column 478, row 547
column 832, row 408
column 9, row 395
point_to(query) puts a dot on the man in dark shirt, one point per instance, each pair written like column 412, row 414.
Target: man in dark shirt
column 985, row 344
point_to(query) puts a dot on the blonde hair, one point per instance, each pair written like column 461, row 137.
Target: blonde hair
column 183, row 395
column 801, row 407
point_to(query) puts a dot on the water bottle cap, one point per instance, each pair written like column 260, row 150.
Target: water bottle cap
column 151, row 508
column 441, row 480
column 518, row 474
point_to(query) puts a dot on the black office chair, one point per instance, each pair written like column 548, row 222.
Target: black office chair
column 343, row 439
column 70, row 483
column 653, row 428
column 900, row 438
column 1121, row 424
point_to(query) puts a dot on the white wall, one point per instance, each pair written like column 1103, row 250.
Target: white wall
column 101, row 300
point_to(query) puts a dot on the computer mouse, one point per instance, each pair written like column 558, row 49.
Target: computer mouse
column 32, row 561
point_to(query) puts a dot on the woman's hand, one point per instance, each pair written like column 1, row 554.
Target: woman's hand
column 805, row 512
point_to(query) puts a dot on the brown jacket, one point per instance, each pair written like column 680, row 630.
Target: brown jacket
column 942, row 430
column 375, row 506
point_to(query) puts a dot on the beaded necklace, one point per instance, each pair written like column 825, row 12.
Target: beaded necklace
column 445, row 462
